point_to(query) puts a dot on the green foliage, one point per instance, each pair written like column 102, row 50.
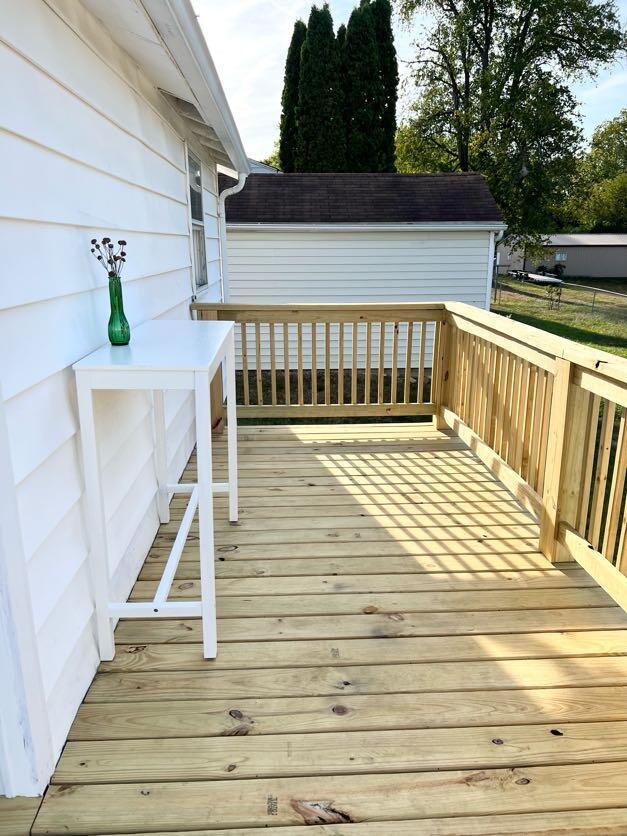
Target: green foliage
column 289, row 99
column 388, row 69
column 493, row 96
column 321, row 142
column 593, row 201
column 274, row 159
column 364, row 94
column 606, row 207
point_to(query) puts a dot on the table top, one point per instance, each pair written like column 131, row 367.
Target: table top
column 162, row 345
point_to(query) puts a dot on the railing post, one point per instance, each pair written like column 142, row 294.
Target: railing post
column 441, row 372
column 564, row 462
column 215, row 389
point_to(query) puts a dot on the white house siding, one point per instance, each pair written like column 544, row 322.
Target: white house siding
column 97, row 154
column 277, row 266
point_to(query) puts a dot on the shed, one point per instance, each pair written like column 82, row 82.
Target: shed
column 361, row 238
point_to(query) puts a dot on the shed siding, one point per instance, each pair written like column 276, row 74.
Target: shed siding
column 268, row 266
column 101, row 154
column 277, row 266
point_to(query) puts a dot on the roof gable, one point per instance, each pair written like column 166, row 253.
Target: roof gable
column 363, row 199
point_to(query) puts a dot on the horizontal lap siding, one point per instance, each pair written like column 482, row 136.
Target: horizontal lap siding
column 94, row 157
column 343, row 267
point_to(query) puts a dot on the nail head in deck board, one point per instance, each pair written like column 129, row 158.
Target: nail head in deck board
column 304, row 715
column 378, row 625
column 75, row 809
column 365, row 679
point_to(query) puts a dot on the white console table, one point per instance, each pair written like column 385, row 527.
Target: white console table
column 162, row 354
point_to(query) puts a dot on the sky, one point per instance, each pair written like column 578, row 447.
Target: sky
column 248, row 40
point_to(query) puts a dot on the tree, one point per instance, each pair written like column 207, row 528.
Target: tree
column 494, row 97
column 321, row 143
column 606, row 207
column 289, row 99
column 388, row 69
column 594, row 190
column 363, row 91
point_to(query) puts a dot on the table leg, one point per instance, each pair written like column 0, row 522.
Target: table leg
column 205, row 515
column 96, row 524
column 161, row 460
column 231, row 417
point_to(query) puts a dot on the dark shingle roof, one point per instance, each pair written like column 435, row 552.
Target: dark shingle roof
column 361, row 198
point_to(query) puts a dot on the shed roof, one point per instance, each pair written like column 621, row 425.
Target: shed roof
column 590, row 239
column 362, row 199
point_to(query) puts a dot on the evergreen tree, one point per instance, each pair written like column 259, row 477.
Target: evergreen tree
column 320, row 130
column 289, row 99
column 341, row 39
column 388, row 68
column 364, row 95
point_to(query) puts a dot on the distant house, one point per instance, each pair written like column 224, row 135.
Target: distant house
column 361, row 238
column 588, row 254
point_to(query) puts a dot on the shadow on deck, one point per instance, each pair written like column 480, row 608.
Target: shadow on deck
column 394, row 651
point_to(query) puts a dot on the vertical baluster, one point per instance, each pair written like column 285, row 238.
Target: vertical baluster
column 494, row 395
column 522, row 395
column 244, row 336
column 544, row 434
column 299, row 333
column 327, row 363
column 530, row 399
column 258, row 363
column 354, row 349
column 272, row 363
column 368, row 362
column 394, row 382
column 286, row 362
column 340, row 365
column 381, row 370
column 616, row 492
column 602, row 468
column 314, row 364
column 420, row 393
column 588, row 471
column 408, row 359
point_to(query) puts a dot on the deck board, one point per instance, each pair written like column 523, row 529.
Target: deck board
column 393, row 650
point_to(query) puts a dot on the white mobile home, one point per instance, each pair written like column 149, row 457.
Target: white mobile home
column 113, row 123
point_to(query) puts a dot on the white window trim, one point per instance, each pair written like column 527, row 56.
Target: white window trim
column 192, row 224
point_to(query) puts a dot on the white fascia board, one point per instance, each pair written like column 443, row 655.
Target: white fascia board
column 181, row 34
column 460, row 226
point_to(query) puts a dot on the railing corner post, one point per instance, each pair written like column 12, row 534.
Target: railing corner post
column 215, row 388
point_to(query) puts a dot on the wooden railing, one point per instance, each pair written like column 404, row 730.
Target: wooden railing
column 547, row 415
column 333, row 360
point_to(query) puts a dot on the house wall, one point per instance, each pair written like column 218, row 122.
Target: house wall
column 99, row 154
column 275, row 266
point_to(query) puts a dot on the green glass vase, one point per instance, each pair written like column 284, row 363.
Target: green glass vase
column 119, row 329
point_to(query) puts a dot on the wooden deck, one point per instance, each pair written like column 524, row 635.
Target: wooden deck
column 396, row 657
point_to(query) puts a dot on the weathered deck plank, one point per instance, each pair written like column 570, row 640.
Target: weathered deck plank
column 393, row 650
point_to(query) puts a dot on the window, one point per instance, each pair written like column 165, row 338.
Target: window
column 560, row 257
column 198, row 226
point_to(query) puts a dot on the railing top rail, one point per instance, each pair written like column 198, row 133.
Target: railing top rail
column 601, row 362
column 319, row 312
column 314, row 306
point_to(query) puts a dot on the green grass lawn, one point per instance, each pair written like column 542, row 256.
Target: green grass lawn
column 604, row 327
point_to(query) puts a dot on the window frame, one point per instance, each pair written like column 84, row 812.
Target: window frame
column 198, row 249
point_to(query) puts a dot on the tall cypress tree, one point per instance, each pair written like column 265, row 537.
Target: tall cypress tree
column 363, row 91
column 321, row 139
column 289, row 99
column 388, row 68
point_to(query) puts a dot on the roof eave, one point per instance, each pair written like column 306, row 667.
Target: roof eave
column 432, row 226
column 181, row 34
